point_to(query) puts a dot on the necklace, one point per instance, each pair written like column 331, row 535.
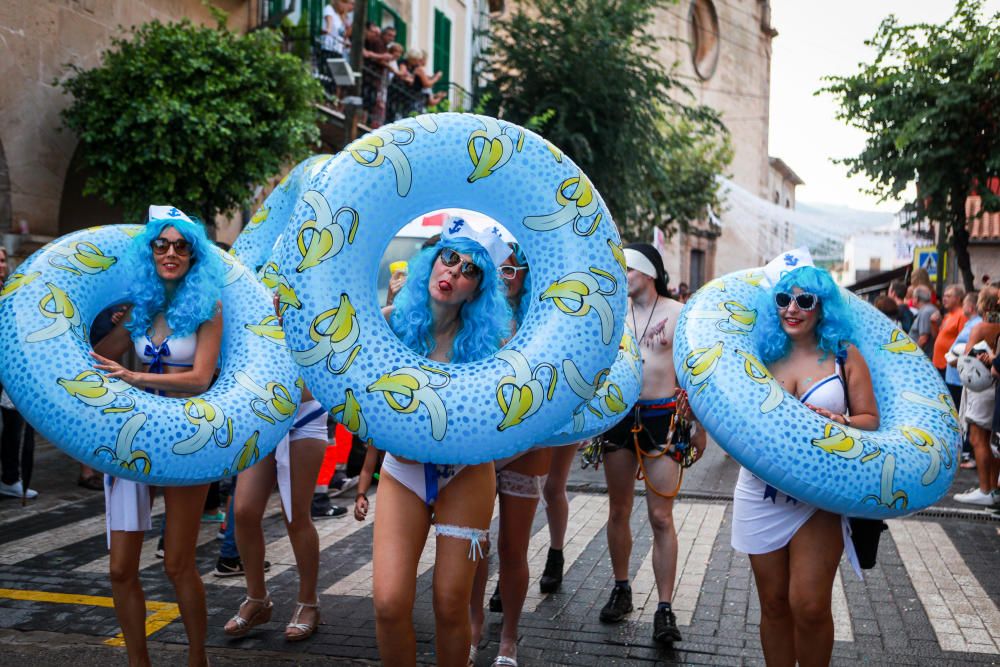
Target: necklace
column 645, row 328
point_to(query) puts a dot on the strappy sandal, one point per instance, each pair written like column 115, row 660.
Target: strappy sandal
column 244, row 625
column 295, row 631
column 473, row 652
column 504, row 661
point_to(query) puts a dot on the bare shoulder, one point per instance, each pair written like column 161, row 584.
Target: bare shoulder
column 854, row 358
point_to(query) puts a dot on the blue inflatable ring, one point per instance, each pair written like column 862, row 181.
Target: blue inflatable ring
column 348, row 208
column 616, row 393
column 45, row 314
column 904, row 466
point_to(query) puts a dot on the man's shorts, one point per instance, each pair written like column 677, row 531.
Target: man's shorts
column 654, row 416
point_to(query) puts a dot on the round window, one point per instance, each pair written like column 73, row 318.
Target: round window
column 703, row 36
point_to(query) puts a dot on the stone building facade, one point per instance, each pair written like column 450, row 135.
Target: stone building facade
column 39, row 183
column 722, row 49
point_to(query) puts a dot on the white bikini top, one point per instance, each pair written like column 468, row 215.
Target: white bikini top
column 830, row 393
column 171, row 352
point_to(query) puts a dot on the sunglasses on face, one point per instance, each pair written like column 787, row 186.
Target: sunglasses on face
column 160, row 245
column 469, row 268
column 805, row 300
column 509, row 271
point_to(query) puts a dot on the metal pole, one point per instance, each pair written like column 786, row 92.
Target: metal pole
column 352, row 111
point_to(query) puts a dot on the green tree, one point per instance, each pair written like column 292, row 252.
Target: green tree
column 591, row 72
column 190, row 115
column 930, row 105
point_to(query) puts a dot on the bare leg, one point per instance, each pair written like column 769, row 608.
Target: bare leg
column 184, row 508
column 777, row 634
column 516, row 516
column 401, row 524
column 814, row 554
column 980, row 440
column 466, row 502
column 252, row 492
column 306, row 458
column 477, row 616
column 556, row 503
column 126, row 589
column 619, row 471
column 662, row 473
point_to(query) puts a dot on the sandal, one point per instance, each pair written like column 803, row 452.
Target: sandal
column 295, row 631
column 473, row 652
column 504, row 661
column 241, row 626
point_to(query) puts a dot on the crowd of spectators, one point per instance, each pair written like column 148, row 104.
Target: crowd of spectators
column 394, row 84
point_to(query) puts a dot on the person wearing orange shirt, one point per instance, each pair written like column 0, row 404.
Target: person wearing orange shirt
column 951, row 325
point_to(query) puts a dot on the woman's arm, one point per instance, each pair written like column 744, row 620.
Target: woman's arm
column 861, row 395
column 365, row 483
column 194, row 381
column 977, row 334
column 116, row 343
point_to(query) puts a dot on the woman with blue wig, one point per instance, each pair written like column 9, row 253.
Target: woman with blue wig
column 452, row 309
column 519, row 482
column 175, row 327
column 804, row 332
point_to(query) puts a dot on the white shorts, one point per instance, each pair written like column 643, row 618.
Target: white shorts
column 126, row 506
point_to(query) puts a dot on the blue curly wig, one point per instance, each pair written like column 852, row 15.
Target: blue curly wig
column 194, row 300
column 485, row 320
column 835, row 326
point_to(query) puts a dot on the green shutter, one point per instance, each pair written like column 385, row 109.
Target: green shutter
column 375, row 12
column 314, row 10
column 442, row 49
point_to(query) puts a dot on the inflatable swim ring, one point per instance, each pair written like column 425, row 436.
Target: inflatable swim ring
column 616, row 394
column 255, row 244
column 904, row 466
column 348, row 212
column 45, row 313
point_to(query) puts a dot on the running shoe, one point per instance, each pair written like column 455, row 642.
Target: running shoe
column 16, row 490
column 665, row 626
column 619, row 604
column 975, row 497
column 233, row 567
column 322, row 508
column 213, row 517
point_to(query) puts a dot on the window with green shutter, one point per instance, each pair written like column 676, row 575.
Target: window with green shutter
column 442, row 50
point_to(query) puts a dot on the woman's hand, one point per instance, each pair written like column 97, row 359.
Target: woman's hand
column 823, row 412
column 113, row 369
column 360, row 507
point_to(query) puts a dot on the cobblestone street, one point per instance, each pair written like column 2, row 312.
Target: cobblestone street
column 931, row 600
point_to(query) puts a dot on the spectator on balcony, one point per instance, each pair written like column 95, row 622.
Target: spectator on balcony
column 416, row 64
column 397, row 82
column 334, row 42
column 376, row 58
column 389, row 36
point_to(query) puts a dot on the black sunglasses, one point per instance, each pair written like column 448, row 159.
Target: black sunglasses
column 469, row 268
column 181, row 246
column 805, row 300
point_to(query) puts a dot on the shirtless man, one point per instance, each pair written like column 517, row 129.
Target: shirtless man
column 653, row 316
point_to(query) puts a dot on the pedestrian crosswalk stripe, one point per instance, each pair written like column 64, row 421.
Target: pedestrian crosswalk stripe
column 50, row 540
column 697, row 525
column 843, row 630
column 359, row 582
column 962, row 614
column 582, row 526
column 538, row 548
column 279, row 551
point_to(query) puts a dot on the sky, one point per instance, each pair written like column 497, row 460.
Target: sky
column 816, row 39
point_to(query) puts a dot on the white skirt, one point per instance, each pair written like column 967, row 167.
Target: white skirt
column 765, row 519
column 126, row 506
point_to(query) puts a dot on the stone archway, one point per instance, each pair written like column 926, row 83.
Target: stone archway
column 78, row 211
